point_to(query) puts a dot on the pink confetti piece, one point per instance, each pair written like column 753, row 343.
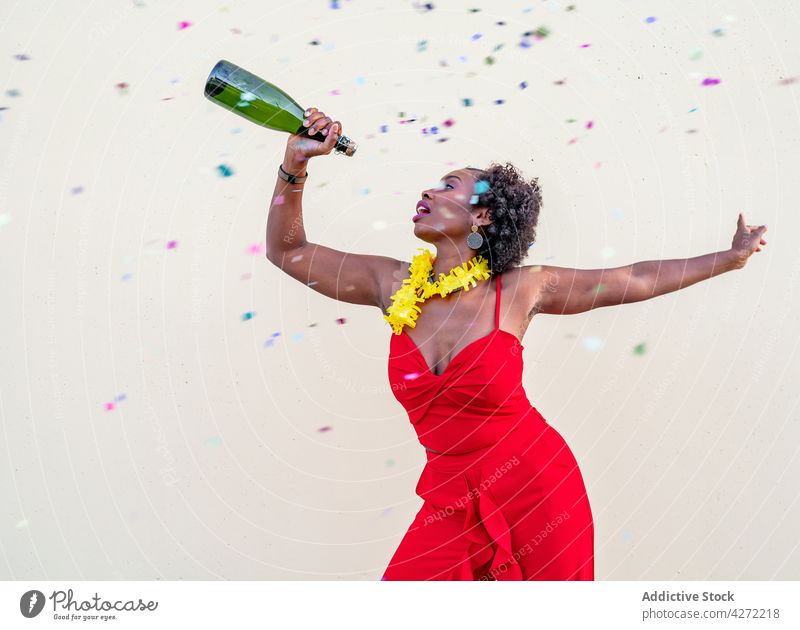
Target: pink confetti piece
column 256, row 248
column 109, row 406
column 341, row 320
column 589, row 124
column 710, row 81
column 334, row 92
column 172, row 244
column 323, row 429
column 585, row 45
column 183, row 25
column 449, row 122
column 247, row 276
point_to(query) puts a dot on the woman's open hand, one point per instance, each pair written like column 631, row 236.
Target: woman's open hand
column 747, row 240
column 315, row 121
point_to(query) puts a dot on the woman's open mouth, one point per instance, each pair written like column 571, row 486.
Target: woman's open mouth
column 422, row 210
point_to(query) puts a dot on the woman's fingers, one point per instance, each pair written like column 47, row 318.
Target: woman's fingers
column 318, row 124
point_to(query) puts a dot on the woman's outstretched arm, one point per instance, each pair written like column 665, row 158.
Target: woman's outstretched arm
column 564, row 291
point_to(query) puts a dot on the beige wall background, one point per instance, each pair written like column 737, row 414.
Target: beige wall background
column 212, row 464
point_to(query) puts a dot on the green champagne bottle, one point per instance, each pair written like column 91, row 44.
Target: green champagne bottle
column 259, row 101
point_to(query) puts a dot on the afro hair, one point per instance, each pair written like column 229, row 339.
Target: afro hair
column 514, row 206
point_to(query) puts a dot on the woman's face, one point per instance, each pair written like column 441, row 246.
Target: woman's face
column 451, row 213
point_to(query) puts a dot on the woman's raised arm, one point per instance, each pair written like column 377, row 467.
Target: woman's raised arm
column 354, row 278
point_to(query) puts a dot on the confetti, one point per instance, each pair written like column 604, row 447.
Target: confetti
column 246, row 276
column 172, row 244
column 523, row 85
column 341, row 320
column 650, row 20
column 126, row 276
column 12, row 93
column 422, row 45
column 788, row 81
column 109, row 406
column 76, row 190
column 467, row 102
column 481, row 187
column 499, row 101
column 489, row 60
column 710, row 81
column 256, row 248
column 225, row 170
column 120, row 398
column 22, row 57
column 248, row 315
column 476, row 36
column 214, row 442
column 640, row 348
column 589, row 124
column 449, row 122
column 183, row 25
column 323, row 429
column 593, row 343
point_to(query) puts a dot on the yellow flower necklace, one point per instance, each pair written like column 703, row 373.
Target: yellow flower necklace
column 418, row 287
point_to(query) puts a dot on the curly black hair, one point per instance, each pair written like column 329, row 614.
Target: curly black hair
column 514, row 206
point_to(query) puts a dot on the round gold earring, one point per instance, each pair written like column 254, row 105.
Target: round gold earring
column 474, row 240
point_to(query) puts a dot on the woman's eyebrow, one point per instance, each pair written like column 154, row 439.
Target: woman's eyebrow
column 456, row 176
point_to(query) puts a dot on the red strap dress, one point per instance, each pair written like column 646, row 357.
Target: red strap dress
column 505, row 499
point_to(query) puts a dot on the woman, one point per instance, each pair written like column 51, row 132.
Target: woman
column 503, row 495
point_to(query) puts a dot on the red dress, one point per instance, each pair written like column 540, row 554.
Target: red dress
column 505, row 500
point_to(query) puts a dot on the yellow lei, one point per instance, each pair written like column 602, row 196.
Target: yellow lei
column 404, row 310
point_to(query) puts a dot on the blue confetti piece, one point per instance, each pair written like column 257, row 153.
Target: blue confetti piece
column 467, row 102
column 523, row 85
column 360, row 80
column 225, row 170
column 214, row 442
column 248, row 315
column 297, row 337
column 650, row 20
column 481, row 187
column 473, row 200
column 384, row 128
column 476, row 37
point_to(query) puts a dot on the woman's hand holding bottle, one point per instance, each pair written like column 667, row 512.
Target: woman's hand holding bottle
column 300, row 147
